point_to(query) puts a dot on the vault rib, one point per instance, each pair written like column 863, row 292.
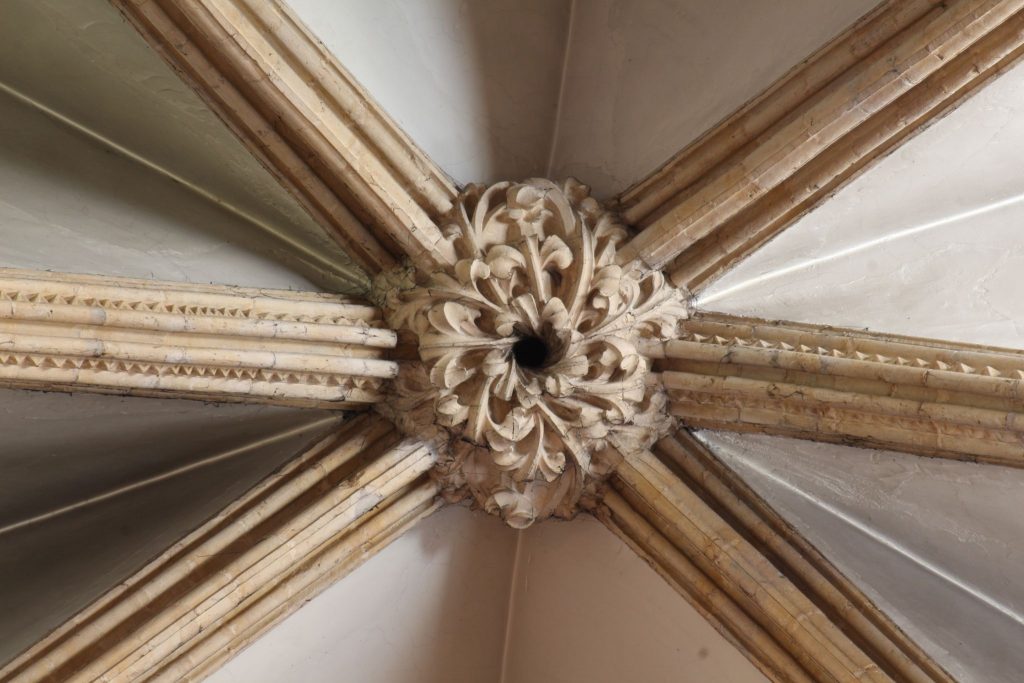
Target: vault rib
column 308, row 122
column 341, row 275
column 303, row 116
column 69, row 332
column 756, row 173
column 218, row 457
column 923, row 396
column 227, row 582
column 879, row 537
column 758, row 581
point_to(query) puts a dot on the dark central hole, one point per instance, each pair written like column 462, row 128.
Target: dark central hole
column 530, row 352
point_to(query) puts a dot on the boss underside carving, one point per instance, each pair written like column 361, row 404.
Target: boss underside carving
column 530, row 381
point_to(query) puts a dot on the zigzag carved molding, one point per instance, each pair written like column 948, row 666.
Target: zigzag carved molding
column 114, row 335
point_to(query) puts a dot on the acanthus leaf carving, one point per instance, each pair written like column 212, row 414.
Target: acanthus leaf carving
column 530, row 367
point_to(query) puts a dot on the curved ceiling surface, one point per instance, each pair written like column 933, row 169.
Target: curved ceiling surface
column 923, row 243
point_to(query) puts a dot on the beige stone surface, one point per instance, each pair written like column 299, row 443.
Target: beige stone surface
column 475, row 83
column 144, row 337
column 924, row 396
column 643, row 80
column 83, row 65
column 431, row 607
column 759, row 583
column 932, row 542
column 308, row 121
column 586, row 608
column 94, row 486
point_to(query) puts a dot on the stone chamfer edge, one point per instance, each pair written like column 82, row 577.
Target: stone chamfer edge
column 529, row 380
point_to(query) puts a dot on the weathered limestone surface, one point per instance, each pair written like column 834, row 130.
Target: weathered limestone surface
column 220, row 587
column 72, row 332
column 924, row 396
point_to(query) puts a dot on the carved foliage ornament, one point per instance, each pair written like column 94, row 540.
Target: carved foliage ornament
column 529, row 348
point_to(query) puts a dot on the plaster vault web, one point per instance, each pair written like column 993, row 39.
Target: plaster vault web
column 686, row 307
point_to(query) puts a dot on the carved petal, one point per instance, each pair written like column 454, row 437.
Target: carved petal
column 537, row 260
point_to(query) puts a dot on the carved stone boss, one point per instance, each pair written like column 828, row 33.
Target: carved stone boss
column 531, row 383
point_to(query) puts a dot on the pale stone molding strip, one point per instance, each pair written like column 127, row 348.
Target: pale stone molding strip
column 215, row 591
column 832, row 592
column 70, row 332
column 855, row 100
column 754, row 578
column 308, row 121
column 922, row 396
column 641, row 201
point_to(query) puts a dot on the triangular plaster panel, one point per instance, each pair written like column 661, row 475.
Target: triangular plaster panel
column 93, row 486
column 461, row 599
column 935, row 543
column 927, row 242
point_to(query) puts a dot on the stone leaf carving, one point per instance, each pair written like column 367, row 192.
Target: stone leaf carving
column 530, row 367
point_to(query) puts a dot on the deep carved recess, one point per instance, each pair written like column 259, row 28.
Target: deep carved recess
column 530, row 381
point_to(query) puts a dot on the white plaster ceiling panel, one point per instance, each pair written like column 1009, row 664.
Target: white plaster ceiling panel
column 429, row 608
column 70, row 203
column 474, row 83
column 927, row 242
column 935, row 543
column 58, row 449
column 61, row 547
column 644, row 79
column 587, row 608
column 443, row 604
column 82, row 61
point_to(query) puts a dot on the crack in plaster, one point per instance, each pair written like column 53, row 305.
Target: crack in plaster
column 556, row 125
column 337, row 270
column 510, row 608
column 703, row 300
column 169, row 474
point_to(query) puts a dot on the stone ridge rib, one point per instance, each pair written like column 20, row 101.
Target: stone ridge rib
column 922, row 396
column 219, row 588
column 290, row 102
column 765, row 166
column 761, row 585
column 69, row 332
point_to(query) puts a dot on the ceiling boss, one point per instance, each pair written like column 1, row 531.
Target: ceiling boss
column 530, row 382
